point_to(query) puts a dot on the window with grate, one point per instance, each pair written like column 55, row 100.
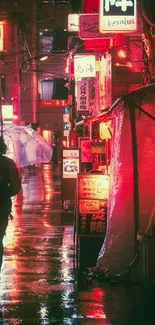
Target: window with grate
column 53, row 40
column 53, row 89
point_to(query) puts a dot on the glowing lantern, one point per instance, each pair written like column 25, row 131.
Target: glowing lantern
column 121, row 57
column 104, row 129
column 122, row 54
column 15, row 117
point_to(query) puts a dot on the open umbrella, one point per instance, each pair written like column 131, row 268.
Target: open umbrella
column 26, row 147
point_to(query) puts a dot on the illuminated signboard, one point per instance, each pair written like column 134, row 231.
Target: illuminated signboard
column 7, row 113
column 53, row 103
column 70, row 163
column 1, row 36
column 84, row 66
column 92, row 193
column 118, row 16
column 73, row 22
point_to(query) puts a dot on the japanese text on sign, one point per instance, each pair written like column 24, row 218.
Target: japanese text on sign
column 85, row 69
column 84, row 66
column 123, row 5
column 82, row 96
column 89, row 27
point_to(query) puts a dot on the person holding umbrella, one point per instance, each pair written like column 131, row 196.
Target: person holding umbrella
column 10, row 185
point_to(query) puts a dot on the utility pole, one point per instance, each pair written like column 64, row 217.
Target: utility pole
column 34, row 74
column 1, row 115
column 15, row 74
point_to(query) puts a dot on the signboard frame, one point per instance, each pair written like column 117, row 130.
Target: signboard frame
column 89, row 27
column 117, row 16
column 70, row 162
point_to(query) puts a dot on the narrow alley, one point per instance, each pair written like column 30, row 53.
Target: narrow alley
column 40, row 283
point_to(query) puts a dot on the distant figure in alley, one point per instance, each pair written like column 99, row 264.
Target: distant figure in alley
column 10, row 185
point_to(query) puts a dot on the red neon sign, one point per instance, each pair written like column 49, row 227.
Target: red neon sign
column 54, row 103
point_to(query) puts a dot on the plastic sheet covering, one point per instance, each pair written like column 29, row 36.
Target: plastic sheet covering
column 118, row 248
column 25, row 146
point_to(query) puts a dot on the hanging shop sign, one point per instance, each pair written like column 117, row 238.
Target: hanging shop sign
column 84, row 66
column 89, row 27
column 82, row 97
column 73, row 22
column 118, row 16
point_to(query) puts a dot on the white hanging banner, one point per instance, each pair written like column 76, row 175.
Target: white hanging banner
column 82, row 97
column 118, row 16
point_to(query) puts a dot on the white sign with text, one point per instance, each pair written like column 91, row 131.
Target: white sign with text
column 118, row 16
column 84, row 66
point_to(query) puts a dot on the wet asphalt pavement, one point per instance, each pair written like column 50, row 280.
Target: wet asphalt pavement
column 40, row 283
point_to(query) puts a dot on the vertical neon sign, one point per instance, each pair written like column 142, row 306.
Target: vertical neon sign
column 1, row 36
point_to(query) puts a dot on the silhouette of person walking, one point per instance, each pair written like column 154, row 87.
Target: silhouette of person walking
column 10, row 185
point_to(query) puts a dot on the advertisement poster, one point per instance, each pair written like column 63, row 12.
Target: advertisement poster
column 93, row 191
column 71, row 163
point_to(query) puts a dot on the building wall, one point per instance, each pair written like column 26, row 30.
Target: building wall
column 6, row 60
column 51, row 118
column 52, row 16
